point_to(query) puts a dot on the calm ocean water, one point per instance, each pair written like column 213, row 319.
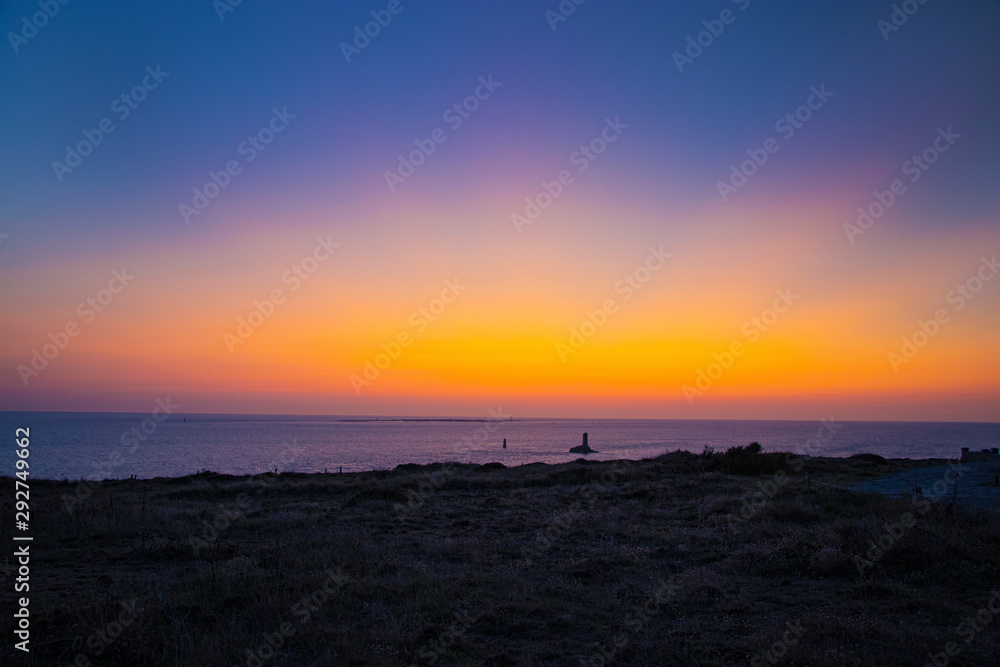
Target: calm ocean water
column 117, row 445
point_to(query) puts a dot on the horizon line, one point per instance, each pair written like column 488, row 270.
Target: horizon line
column 511, row 418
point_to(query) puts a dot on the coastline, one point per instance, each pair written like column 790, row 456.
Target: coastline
column 538, row 564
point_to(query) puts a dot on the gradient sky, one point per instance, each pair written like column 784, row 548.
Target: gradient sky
column 497, row 343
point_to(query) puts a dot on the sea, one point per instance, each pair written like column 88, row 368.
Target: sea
column 96, row 446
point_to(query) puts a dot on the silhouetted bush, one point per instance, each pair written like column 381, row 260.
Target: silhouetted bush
column 869, row 458
column 745, row 460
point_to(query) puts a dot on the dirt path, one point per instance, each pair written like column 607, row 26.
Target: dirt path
column 976, row 483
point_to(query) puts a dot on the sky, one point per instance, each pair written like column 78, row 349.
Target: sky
column 728, row 209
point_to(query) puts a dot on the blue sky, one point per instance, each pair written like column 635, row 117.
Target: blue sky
column 352, row 120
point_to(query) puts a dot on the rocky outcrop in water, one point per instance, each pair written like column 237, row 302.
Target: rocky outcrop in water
column 584, row 448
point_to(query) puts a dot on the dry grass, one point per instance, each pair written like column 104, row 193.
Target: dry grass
column 539, row 565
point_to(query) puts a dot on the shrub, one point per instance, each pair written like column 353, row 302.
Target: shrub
column 745, row 460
